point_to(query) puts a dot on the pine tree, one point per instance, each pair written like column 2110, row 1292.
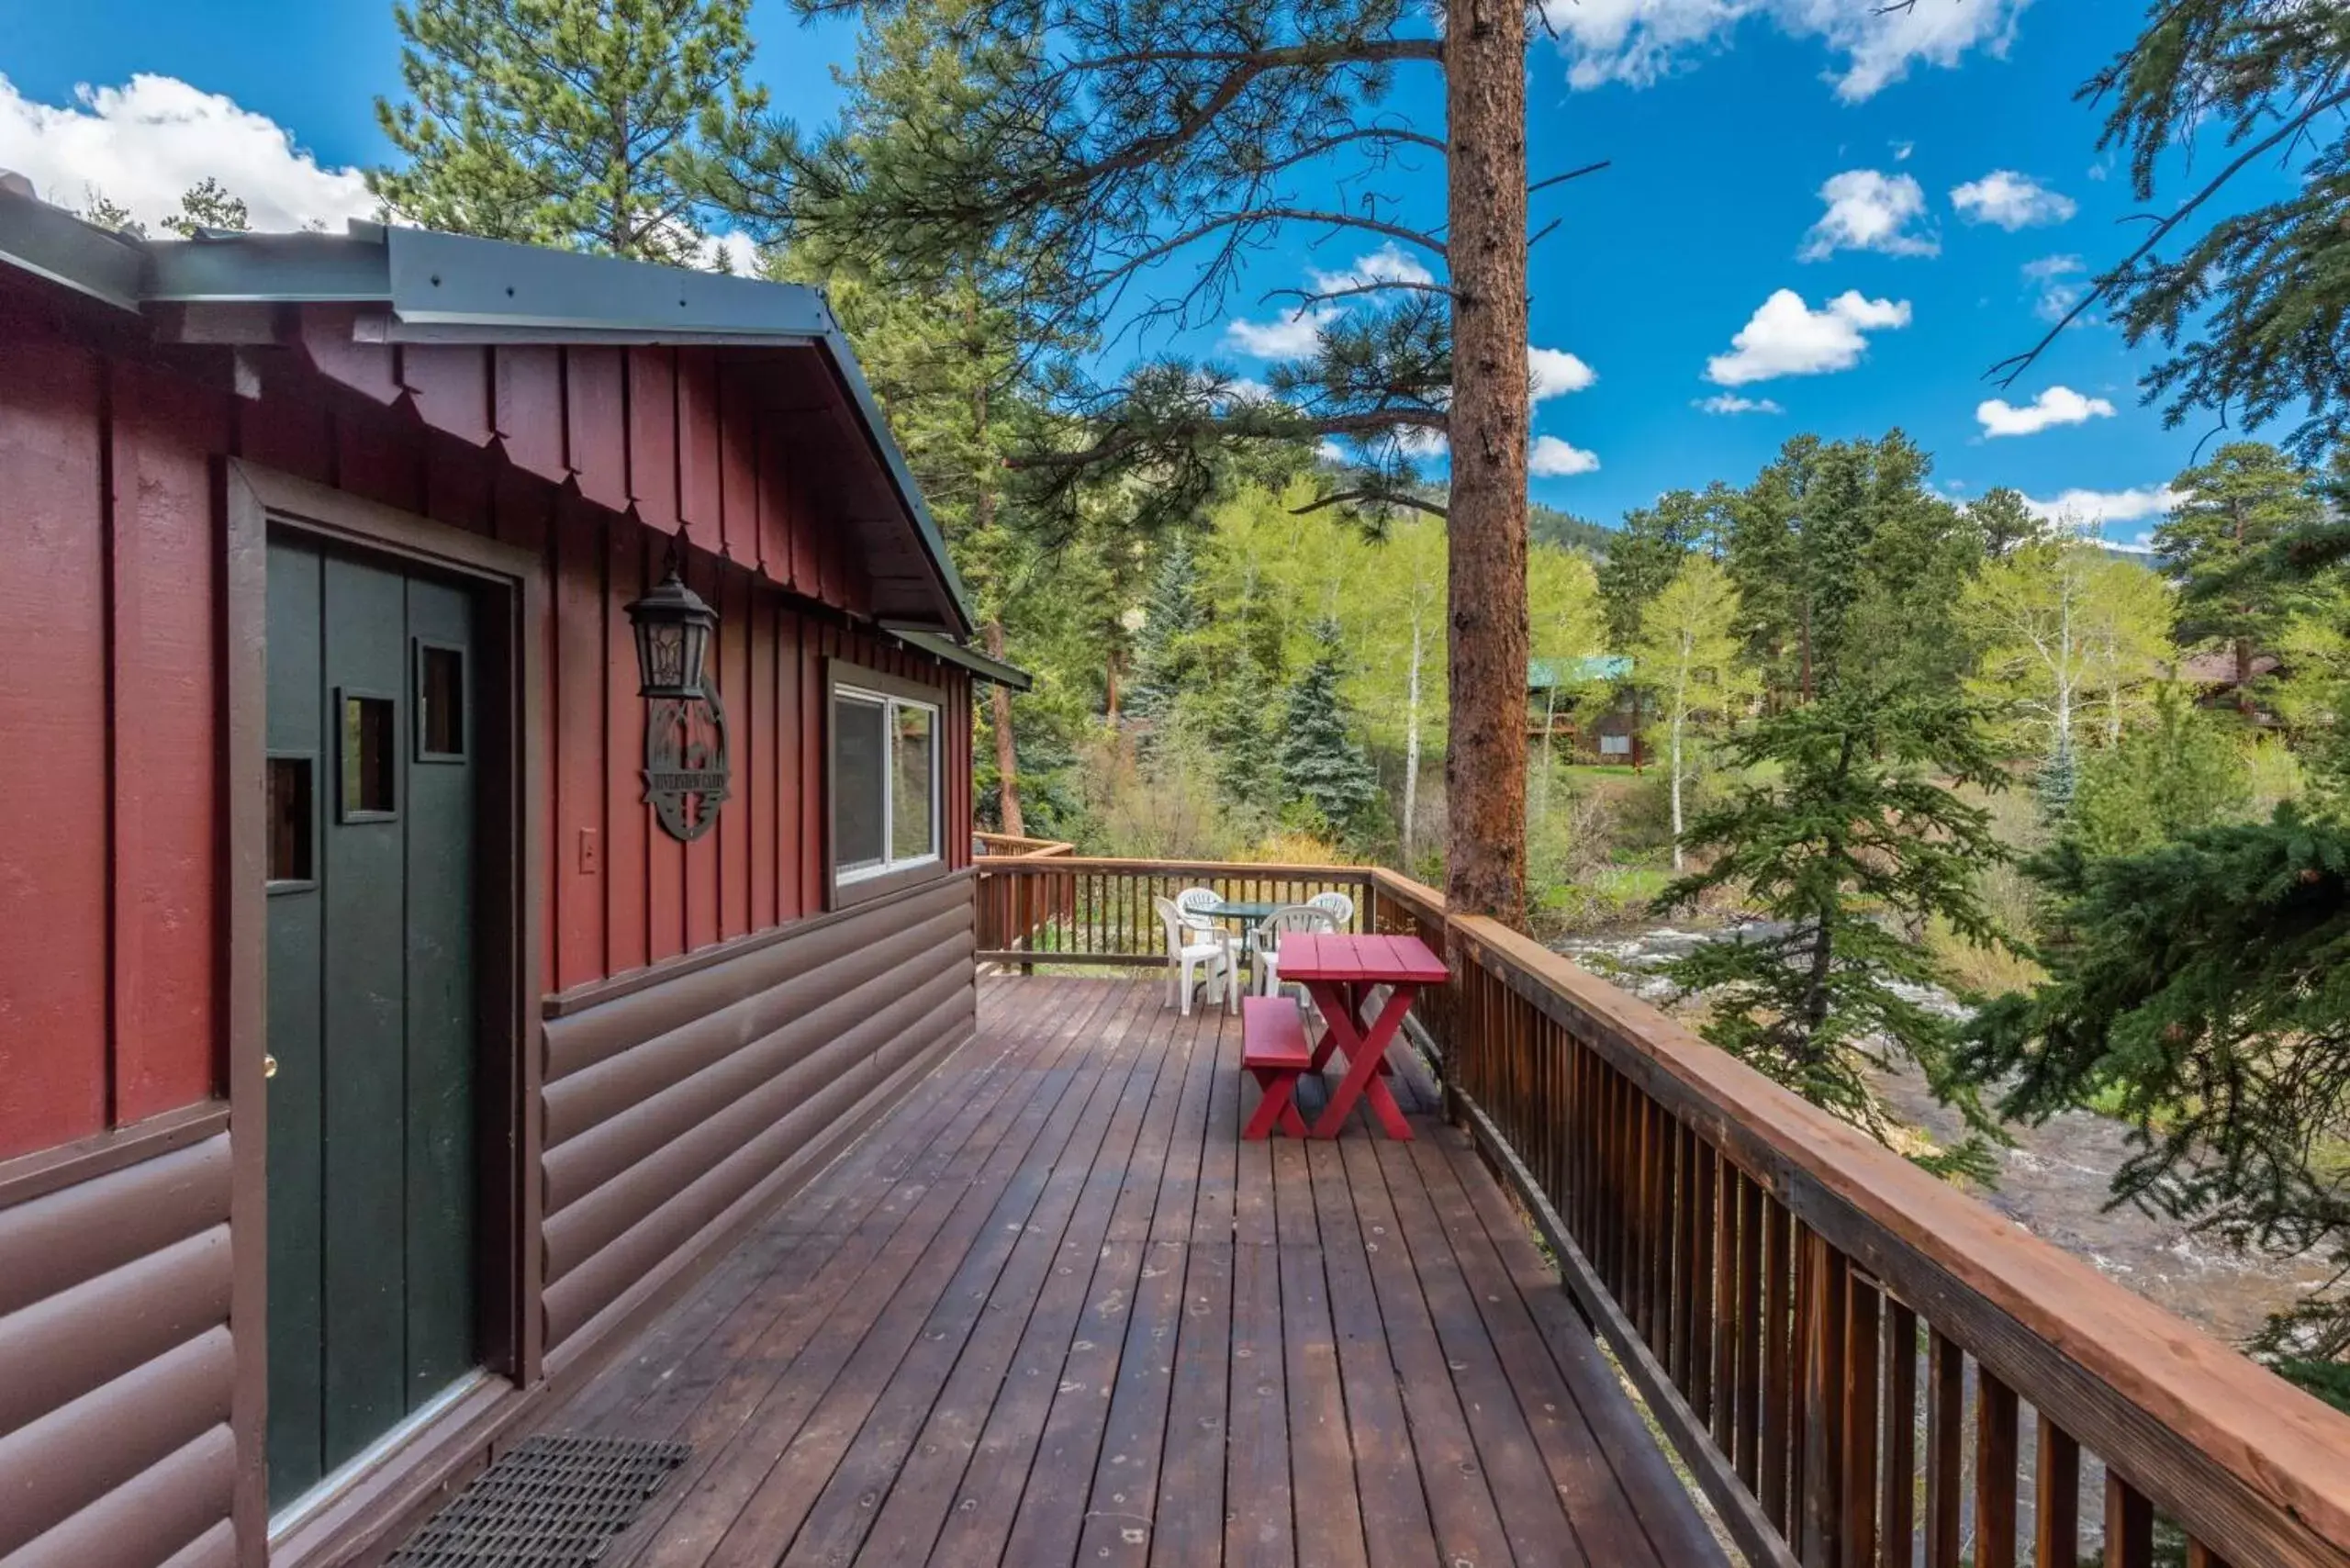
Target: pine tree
column 563, row 122
column 2203, row 989
column 1129, row 133
column 206, row 206
column 2218, row 546
column 1322, row 765
column 2249, row 310
column 1848, row 835
column 1165, row 658
column 1238, row 728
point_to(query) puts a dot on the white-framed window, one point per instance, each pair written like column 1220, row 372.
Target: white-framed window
column 885, row 784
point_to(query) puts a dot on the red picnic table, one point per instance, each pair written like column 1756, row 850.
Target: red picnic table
column 1339, row 972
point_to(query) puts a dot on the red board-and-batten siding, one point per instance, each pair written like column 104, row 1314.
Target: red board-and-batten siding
column 111, row 702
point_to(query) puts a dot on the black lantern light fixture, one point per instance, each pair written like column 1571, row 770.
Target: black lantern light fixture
column 673, row 626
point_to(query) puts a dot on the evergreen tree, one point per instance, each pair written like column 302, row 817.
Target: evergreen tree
column 2056, row 785
column 2181, row 773
column 2204, row 986
column 1847, row 565
column 206, row 206
column 2218, row 546
column 1647, row 551
column 1322, row 765
column 2250, row 310
column 563, row 122
column 1129, row 133
column 2000, row 517
column 1165, row 654
column 1238, row 728
column 1848, row 835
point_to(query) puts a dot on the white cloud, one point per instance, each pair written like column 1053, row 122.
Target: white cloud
column 1786, row 337
column 1551, row 458
column 2010, row 200
column 1554, row 373
column 1390, row 263
column 1640, row 41
column 2056, row 406
column 1901, row 150
column 1288, row 336
column 144, row 143
column 2091, row 510
column 1416, row 441
column 1331, row 451
column 1732, row 403
column 2056, row 284
column 1246, row 389
column 1869, row 211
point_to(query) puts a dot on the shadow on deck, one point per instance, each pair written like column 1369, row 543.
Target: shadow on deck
column 1053, row 1310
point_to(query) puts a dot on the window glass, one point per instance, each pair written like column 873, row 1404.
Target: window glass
column 912, row 834
column 440, row 702
column 289, row 818
column 368, row 757
column 859, row 774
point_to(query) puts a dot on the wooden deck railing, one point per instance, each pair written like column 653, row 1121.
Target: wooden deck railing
column 1079, row 910
column 993, row 845
column 1862, row 1366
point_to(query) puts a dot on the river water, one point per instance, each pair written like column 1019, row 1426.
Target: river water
column 2054, row 1182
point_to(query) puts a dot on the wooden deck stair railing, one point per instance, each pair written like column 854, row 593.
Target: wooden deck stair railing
column 1861, row 1366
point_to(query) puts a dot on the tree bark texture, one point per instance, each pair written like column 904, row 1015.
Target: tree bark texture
column 1484, row 765
column 1411, row 742
column 1007, row 766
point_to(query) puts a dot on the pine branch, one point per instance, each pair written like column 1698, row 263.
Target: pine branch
column 1376, row 495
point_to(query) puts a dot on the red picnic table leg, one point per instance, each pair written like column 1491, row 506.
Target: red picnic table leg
column 1365, row 1053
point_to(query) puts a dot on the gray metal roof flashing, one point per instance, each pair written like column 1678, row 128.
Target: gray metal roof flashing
column 981, row 664
column 459, row 288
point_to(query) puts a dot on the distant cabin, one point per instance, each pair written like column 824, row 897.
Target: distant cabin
column 1585, row 706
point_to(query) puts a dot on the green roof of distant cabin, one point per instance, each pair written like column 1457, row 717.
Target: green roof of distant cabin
column 1543, row 674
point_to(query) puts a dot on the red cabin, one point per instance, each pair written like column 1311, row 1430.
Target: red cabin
column 406, row 986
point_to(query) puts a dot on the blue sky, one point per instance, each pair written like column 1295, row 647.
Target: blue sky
column 1724, row 121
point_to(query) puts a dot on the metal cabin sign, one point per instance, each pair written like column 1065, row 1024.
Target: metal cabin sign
column 686, row 770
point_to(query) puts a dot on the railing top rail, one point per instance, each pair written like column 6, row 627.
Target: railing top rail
column 1005, row 845
column 2091, row 1353
column 1197, row 868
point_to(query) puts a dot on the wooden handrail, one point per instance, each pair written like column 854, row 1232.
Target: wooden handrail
column 1817, row 1324
column 1001, row 844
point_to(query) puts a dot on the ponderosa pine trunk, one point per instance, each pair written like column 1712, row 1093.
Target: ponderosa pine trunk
column 1412, row 742
column 1007, row 765
column 1484, row 765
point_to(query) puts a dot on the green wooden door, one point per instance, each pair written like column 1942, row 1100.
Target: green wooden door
column 371, row 1012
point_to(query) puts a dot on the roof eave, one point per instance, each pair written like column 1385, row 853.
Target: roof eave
column 458, row 288
column 953, row 653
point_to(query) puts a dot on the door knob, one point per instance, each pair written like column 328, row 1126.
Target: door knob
column 268, row 1065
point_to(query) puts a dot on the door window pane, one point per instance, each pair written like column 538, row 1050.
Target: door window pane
column 369, row 757
column 859, row 735
column 910, row 823
column 289, row 818
column 440, row 703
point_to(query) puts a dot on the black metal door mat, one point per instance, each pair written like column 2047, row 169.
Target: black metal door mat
column 550, row 1501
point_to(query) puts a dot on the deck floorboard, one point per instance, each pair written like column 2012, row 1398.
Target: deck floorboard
column 1050, row 1310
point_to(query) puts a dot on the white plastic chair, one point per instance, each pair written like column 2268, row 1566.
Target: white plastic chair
column 1193, row 902
column 1341, row 906
column 1186, row 953
column 1268, row 939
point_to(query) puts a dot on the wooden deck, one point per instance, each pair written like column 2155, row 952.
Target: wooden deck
column 1053, row 1310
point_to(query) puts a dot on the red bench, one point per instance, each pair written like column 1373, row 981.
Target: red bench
column 1273, row 1049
